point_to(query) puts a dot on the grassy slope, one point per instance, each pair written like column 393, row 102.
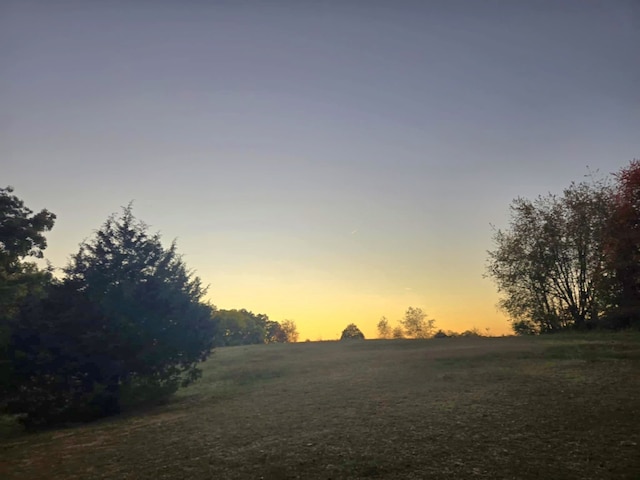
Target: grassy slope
column 518, row 408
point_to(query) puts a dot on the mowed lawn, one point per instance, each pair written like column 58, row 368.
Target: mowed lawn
column 561, row 407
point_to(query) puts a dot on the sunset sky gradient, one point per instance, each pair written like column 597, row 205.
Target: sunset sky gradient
column 327, row 162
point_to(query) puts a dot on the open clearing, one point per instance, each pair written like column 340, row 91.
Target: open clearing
column 501, row 408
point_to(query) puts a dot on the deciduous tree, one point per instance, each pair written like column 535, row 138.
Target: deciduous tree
column 21, row 236
column 21, row 233
column 397, row 332
column 384, row 329
column 291, row 330
column 239, row 327
column 416, row 324
column 549, row 264
column 623, row 246
column 275, row 333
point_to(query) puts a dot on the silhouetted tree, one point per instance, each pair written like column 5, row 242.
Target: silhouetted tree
column 275, row 332
column 623, row 247
column 397, row 332
column 550, row 264
column 128, row 319
column 416, row 324
column 239, row 327
column 21, row 236
column 21, row 233
column 291, row 330
column 352, row 332
column 384, row 330
column 21, row 282
column 242, row 327
column 440, row 334
column 474, row 332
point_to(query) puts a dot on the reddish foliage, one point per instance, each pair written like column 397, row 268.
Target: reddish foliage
column 628, row 197
column 624, row 244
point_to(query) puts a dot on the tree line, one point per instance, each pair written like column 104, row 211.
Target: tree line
column 242, row 327
column 126, row 323
column 414, row 324
column 572, row 261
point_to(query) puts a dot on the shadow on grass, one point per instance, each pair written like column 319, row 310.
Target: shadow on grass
column 250, row 376
column 567, row 348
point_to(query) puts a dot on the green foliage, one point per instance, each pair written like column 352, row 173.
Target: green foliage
column 352, row 332
column 21, row 236
column 152, row 302
column 242, row 327
column 21, row 233
column 128, row 316
column 239, row 327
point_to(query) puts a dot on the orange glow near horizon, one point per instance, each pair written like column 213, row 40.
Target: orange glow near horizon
column 322, row 310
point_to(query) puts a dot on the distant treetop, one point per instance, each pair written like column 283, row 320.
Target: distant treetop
column 352, row 332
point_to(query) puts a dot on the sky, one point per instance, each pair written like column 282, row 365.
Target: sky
column 328, row 162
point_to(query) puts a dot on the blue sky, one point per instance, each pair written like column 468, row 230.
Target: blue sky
column 328, row 162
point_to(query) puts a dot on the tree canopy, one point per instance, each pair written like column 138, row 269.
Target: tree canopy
column 21, row 236
column 290, row 330
column 564, row 260
column 21, row 232
column 384, row 329
column 127, row 318
column 352, row 332
column 242, row 327
column 416, row 324
column 623, row 247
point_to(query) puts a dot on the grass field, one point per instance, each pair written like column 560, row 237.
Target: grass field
column 561, row 407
